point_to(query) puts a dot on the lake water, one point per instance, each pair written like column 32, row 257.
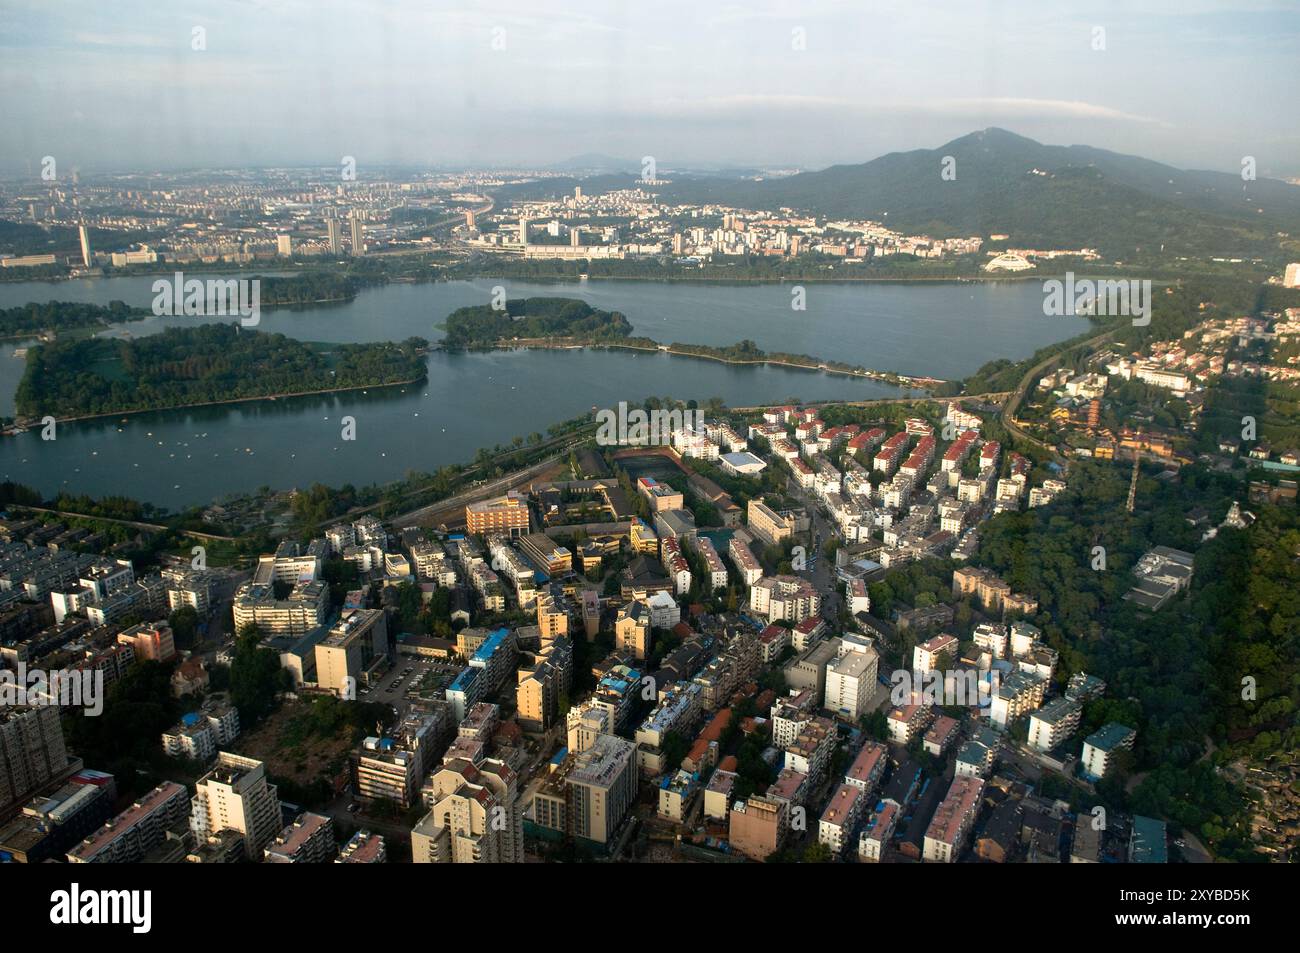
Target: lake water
column 177, row 458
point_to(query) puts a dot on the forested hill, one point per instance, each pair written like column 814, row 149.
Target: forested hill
column 484, row 326
column 1039, row 195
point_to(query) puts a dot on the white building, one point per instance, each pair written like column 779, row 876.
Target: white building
column 851, row 683
column 235, row 795
column 1100, row 746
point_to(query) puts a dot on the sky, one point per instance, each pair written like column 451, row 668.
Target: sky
column 752, row 84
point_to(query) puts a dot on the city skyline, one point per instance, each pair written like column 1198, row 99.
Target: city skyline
column 761, row 86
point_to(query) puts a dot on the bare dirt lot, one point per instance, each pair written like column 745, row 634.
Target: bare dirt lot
column 291, row 753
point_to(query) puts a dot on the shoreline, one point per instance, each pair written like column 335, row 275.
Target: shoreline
column 29, row 422
column 493, row 274
column 881, row 377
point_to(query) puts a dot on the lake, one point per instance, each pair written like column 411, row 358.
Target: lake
column 183, row 457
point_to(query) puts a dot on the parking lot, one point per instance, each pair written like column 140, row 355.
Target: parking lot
column 410, row 674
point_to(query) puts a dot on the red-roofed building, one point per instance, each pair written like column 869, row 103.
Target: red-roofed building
column 868, row 767
column 941, row 735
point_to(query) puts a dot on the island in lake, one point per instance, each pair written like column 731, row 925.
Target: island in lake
column 206, row 364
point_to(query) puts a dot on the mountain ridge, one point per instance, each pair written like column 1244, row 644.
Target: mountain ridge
column 1049, row 196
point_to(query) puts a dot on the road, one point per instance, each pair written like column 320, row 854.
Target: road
column 992, row 397
column 485, row 490
column 1013, row 402
column 134, row 524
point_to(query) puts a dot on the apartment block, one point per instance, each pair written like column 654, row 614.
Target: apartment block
column 235, row 794
column 1050, row 725
column 1100, row 747
column 757, row 826
column 137, row 830
column 770, row 527
column 32, row 751
column 792, row 598
column 308, row 840
column 632, row 630
column 840, row 817
column 151, row 642
column 507, row 514
column 953, row 819
column 473, row 815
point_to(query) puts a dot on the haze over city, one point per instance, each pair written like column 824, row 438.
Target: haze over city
column 1195, row 84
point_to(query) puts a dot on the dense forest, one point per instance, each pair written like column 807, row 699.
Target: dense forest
column 64, row 316
column 484, row 326
column 208, row 363
column 1181, row 667
column 309, row 288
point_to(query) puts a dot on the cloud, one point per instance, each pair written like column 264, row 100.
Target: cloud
column 966, row 108
column 1026, row 108
column 120, row 40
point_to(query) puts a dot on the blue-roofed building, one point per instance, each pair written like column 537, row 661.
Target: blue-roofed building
column 1147, row 845
column 464, row 691
column 676, row 792
column 488, row 667
column 618, row 691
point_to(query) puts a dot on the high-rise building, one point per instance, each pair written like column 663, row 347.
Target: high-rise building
column 335, row 230
column 236, row 795
column 354, row 644
column 358, row 238
column 391, row 768
column 85, row 245
column 601, row 785
column 473, row 816
column 284, row 245
column 523, row 231
column 851, row 682
column 632, row 629
column 590, row 793
column 32, row 752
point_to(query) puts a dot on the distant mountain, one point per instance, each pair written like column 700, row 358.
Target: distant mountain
column 1046, row 196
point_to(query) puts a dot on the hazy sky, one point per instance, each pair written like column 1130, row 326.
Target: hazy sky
column 118, row 85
